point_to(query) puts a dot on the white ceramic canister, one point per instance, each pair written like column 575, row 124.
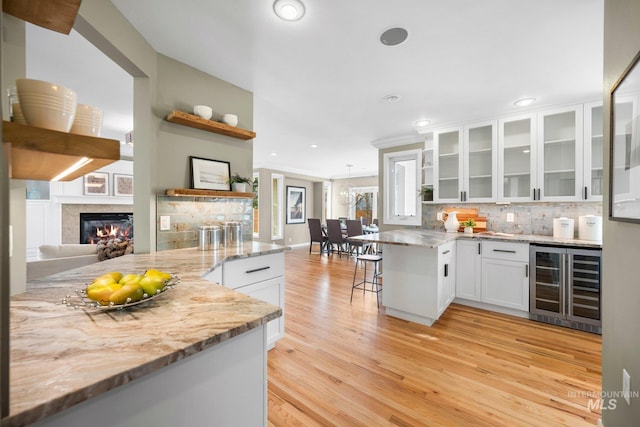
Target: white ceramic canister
column 590, row 227
column 563, row 228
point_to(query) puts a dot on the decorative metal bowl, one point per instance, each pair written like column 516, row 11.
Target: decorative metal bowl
column 80, row 299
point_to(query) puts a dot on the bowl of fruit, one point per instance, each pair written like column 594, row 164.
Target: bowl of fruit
column 115, row 290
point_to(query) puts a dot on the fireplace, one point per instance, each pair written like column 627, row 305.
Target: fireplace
column 100, row 226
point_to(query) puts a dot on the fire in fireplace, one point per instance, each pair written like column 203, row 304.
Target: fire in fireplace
column 100, row 226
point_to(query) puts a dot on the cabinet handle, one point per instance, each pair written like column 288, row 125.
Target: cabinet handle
column 462, row 196
column 255, row 270
column 446, row 252
column 534, row 194
column 586, row 195
column 446, row 270
column 538, row 194
column 526, row 270
column 504, row 251
column 479, row 249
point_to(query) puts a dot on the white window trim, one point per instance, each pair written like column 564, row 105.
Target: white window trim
column 389, row 218
column 278, row 220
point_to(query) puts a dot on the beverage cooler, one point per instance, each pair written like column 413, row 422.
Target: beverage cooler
column 565, row 287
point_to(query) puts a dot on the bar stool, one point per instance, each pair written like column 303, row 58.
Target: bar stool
column 375, row 285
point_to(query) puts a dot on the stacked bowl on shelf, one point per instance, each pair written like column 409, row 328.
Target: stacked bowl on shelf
column 52, row 106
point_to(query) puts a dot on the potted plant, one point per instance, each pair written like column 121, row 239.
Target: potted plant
column 468, row 225
column 239, row 183
column 427, row 194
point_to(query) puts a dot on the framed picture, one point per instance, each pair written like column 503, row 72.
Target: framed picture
column 624, row 155
column 122, row 185
column 96, row 184
column 296, row 202
column 207, row 174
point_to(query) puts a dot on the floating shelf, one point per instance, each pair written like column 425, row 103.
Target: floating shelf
column 197, row 122
column 42, row 154
column 207, row 193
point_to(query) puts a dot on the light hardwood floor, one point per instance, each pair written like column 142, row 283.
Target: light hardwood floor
column 350, row 364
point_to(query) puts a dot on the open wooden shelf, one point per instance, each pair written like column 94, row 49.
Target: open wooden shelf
column 197, row 122
column 207, row 193
column 42, row 154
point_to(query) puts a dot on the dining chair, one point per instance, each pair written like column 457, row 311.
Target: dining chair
column 335, row 238
column 316, row 235
column 354, row 228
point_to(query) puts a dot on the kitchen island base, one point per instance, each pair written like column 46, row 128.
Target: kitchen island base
column 419, row 281
column 223, row 385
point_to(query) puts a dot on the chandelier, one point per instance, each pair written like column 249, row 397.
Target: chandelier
column 345, row 197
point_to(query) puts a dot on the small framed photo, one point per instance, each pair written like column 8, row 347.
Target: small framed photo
column 122, row 185
column 207, row 174
column 96, row 184
column 296, row 203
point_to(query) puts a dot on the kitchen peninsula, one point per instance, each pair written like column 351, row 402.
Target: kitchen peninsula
column 197, row 352
column 420, row 268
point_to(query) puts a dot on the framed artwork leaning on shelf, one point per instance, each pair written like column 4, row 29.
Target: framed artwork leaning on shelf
column 208, row 174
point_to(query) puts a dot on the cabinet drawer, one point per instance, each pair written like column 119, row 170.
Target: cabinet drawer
column 505, row 250
column 242, row 272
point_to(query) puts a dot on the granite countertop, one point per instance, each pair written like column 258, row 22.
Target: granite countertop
column 61, row 356
column 432, row 239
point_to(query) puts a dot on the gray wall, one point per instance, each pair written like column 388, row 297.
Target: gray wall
column 621, row 247
column 180, row 87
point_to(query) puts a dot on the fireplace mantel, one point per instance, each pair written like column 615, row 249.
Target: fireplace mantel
column 93, row 200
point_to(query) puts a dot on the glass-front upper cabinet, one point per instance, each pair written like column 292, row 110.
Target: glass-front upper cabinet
column 466, row 163
column 480, row 162
column 560, row 154
column 447, row 153
column 516, row 158
column 593, row 154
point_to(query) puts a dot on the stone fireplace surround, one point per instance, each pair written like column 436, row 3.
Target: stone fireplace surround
column 71, row 218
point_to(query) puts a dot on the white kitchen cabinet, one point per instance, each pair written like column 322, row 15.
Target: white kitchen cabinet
column 427, row 168
column 540, row 156
column 466, row 163
column 593, row 152
column 505, row 274
column 446, row 275
column 448, row 167
column 559, row 155
column 260, row 277
column 419, row 282
column 468, row 269
column 517, row 158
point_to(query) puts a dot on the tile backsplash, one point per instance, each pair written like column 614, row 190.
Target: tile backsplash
column 529, row 218
column 187, row 213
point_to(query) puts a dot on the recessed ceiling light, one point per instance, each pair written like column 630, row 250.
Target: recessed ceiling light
column 422, row 123
column 289, row 10
column 523, row 102
column 274, row 154
column 391, row 98
column 314, row 146
column 393, row 36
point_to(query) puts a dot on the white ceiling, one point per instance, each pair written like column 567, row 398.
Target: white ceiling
column 323, row 80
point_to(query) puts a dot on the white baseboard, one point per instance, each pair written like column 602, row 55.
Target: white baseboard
column 600, row 423
column 298, row 245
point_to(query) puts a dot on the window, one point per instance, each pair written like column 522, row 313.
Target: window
column 365, row 203
column 277, row 206
column 402, row 183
